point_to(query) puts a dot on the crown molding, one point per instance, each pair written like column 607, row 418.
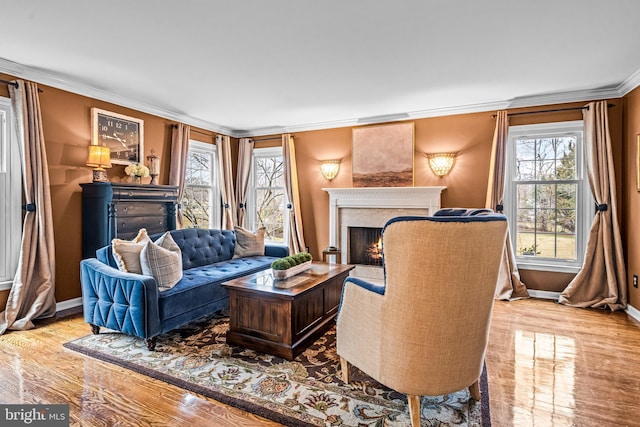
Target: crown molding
column 629, row 84
column 59, row 82
column 54, row 80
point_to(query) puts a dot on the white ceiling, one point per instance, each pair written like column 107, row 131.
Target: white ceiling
column 259, row 67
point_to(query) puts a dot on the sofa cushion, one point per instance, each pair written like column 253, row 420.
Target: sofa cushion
column 127, row 252
column 248, row 243
column 195, row 288
column 162, row 259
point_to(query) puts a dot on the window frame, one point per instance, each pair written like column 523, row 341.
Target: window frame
column 252, row 194
column 584, row 198
column 11, row 186
column 215, row 220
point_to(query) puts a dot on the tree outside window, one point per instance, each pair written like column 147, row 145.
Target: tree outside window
column 201, row 187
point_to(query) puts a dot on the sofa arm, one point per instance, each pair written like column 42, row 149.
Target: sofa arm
column 124, row 302
column 279, row 251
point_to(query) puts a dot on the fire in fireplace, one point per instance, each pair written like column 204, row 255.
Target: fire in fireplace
column 365, row 246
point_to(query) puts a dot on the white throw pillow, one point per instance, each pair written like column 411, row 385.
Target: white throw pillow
column 126, row 253
column 162, row 260
column 248, row 243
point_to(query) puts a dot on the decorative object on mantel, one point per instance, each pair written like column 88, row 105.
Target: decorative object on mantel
column 289, row 266
column 153, row 163
column 136, row 172
column 123, row 135
column 383, row 156
column 330, row 169
column 441, row 163
column 99, row 157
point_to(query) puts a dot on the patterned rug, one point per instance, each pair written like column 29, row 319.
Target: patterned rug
column 305, row 392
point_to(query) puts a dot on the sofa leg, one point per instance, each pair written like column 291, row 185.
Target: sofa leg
column 95, row 329
column 151, row 343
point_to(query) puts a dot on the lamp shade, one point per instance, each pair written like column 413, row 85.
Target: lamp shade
column 441, row 163
column 330, row 168
column 99, row 156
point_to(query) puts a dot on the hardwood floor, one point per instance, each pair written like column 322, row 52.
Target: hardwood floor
column 548, row 365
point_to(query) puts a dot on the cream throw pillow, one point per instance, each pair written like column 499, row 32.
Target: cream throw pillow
column 248, row 243
column 126, row 253
column 162, row 260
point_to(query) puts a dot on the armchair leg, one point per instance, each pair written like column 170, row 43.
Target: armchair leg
column 474, row 390
column 414, row 409
column 95, row 329
column 344, row 367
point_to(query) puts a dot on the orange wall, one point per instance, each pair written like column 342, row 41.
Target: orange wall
column 632, row 196
column 67, row 129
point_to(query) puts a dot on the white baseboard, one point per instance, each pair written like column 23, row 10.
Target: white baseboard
column 534, row 293
column 633, row 312
column 67, row 304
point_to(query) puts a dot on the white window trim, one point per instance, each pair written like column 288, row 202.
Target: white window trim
column 251, row 197
column 214, row 210
column 10, row 210
column 585, row 201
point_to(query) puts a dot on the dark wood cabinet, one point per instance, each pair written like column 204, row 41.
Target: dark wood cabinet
column 111, row 210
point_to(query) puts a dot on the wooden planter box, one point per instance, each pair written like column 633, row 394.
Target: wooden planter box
column 297, row 269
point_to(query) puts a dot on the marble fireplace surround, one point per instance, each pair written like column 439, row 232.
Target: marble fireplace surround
column 373, row 207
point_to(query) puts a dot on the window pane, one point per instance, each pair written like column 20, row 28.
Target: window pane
column 270, row 213
column 196, row 206
column 269, row 172
column 198, row 169
column 525, row 170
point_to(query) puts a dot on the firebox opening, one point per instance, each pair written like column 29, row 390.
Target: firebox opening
column 365, row 246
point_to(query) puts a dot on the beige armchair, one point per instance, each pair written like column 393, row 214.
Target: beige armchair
column 425, row 331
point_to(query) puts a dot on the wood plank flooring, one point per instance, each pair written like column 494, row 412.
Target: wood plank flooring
column 548, row 365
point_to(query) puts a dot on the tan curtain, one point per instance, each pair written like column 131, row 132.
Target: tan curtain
column 509, row 285
column 601, row 281
column 223, row 147
column 32, row 294
column 296, row 237
column 178, row 169
column 245, row 156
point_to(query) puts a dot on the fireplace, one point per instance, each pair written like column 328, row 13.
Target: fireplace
column 365, row 246
column 371, row 208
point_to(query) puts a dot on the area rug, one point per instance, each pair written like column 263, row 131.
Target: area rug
column 307, row 391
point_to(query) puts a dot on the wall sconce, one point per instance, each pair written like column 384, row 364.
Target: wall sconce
column 99, row 157
column 153, row 163
column 330, row 168
column 441, row 163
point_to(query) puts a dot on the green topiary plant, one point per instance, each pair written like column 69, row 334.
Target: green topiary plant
column 291, row 261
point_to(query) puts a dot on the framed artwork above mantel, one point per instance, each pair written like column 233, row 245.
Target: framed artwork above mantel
column 124, row 135
column 383, row 155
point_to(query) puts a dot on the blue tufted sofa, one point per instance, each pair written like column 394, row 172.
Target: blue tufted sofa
column 132, row 303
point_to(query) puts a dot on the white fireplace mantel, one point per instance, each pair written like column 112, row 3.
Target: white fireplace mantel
column 425, row 200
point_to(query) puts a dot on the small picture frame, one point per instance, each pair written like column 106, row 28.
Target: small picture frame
column 123, row 135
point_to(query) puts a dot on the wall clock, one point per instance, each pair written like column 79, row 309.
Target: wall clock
column 123, row 135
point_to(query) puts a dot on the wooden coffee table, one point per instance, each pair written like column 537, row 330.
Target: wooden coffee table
column 283, row 317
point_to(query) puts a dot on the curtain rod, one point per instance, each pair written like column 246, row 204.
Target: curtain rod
column 14, row 84
column 555, row 110
column 210, row 133
column 266, row 139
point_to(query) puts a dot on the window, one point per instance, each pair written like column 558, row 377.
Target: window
column 10, row 197
column 547, row 196
column 267, row 195
column 200, row 204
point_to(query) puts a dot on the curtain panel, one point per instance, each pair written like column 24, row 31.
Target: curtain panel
column 32, row 294
column 296, row 237
column 602, row 280
column 223, row 146
column 509, row 286
column 179, row 153
column 245, row 156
